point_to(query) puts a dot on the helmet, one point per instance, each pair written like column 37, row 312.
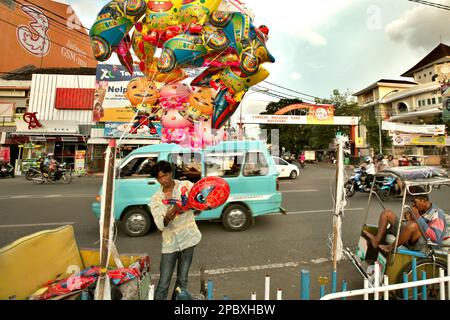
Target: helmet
column 380, row 157
column 368, row 159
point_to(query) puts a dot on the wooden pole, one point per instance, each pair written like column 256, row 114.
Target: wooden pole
column 335, row 226
column 106, row 222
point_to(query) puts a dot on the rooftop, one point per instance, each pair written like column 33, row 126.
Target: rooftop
column 441, row 51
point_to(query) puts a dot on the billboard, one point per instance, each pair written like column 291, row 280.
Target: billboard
column 444, row 79
column 110, row 103
column 42, row 33
column 119, row 129
column 418, row 140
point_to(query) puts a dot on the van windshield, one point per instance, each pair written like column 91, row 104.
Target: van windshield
column 223, row 165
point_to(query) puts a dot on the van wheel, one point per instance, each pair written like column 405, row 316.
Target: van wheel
column 236, row 217
column 293, row 175
column 136, row 222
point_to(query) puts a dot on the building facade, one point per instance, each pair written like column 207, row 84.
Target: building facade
column 417, row 102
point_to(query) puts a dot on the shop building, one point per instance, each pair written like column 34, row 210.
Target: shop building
column 414, row 103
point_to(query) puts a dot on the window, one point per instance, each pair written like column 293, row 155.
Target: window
column 433, row 100
column 402, row 107
column 279, row 161
column 255, row 164
column 187, row 166
column 223, row 165
column 420, row 103
column 138, row 167
column 428, row 101
column 440, row 100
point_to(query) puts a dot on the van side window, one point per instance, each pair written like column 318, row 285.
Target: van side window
column 255, row 164
column 186, row 166
column 138, row 167
column 223, row 165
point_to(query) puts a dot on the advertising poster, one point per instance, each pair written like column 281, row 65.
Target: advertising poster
column 31, row 36
column 444, row 79
column 80, row 161
column 418, row 140
column 321, row 115
column 117, row 129
column 110, row 103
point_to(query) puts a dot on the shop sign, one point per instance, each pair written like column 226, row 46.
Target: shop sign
column 418, row 140
column 80, row 160
column 5, row 154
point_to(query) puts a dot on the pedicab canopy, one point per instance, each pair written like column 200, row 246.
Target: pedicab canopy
column 417, row 175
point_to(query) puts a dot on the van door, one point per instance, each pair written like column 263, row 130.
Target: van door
column 134, row 185
column 187, row 166
column 228, row 166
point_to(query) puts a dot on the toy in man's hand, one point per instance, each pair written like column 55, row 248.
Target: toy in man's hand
column 206, row 194
column 182, row 204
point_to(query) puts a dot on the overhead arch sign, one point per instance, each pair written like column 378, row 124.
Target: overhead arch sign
column 305, row 120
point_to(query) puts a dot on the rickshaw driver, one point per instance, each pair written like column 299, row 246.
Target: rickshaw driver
column 423, row 217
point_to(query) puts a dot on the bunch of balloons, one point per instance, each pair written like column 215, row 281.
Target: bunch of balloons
column 215, row 36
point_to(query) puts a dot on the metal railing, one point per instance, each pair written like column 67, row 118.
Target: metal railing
column 385, row 288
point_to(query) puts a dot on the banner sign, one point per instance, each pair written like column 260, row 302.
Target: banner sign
column 418, row 140
column 80, row 160
column 320, row 115
column 117, row 129
column 412, row 128
column 110, row 103
column 284, row 119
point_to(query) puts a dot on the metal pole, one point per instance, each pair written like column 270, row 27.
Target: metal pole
column 386, row 283
column 267, row 288
column 344, row 288
column 305, row 284
column 279, row 294
column 210, row 290
column 405, row 290
column 366, row 286
column 424, row 287
column 441, row 284
column 414, row 278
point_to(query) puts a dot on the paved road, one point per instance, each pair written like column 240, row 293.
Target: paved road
column 279, row 245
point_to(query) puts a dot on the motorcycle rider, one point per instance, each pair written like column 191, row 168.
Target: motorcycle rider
column 301, row 159
column 369, row 170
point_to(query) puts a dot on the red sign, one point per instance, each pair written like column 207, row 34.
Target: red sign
column 31, row 119
column 5, row 154
column 74, row 98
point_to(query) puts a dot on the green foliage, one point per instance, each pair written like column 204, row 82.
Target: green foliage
column 312, row 137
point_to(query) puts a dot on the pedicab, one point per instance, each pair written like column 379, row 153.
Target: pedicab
column 400, row 259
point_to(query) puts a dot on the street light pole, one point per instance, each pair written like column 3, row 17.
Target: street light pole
column 380, row 118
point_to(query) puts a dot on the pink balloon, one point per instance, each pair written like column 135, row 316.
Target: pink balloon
column 174, row 95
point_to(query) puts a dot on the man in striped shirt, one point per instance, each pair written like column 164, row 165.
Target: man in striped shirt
column 425, row 221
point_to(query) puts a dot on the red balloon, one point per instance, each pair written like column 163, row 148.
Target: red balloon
column 209, row 193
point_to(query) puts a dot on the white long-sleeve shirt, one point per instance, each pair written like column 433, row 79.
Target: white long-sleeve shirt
column 182, row 232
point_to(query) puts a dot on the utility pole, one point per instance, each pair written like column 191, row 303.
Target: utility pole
column 380, row 118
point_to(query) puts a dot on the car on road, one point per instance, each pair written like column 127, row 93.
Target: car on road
column 287, row 156
column 286, row 169
column 246, row 165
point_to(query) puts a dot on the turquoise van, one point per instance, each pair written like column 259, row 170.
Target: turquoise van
column 246, row 165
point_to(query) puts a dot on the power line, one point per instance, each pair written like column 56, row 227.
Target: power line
column 432, row 4
column 298, row 92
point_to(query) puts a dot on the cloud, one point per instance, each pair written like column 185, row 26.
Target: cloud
column 296, row 76
column 420, row 27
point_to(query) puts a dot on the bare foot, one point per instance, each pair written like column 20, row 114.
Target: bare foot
column 386, row 248
column 372, row 239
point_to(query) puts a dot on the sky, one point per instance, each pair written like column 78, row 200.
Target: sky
column 322, row 45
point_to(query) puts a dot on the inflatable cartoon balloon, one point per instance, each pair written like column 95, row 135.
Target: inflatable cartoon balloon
column 217, row 36
column 206, row 194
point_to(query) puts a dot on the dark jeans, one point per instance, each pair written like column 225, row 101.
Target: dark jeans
column 167, row 266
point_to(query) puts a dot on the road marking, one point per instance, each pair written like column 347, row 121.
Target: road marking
column 299, row 190
column 222, row 271
column 314, row 211
column 20, row 197
column 34, row 225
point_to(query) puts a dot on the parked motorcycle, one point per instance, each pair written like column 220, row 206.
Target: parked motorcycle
column 60, row 175
column 388, row 188
column 6, row 170
column 357, row 183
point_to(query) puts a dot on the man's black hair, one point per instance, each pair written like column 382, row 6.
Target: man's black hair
column 161, row 166
column 417, row 189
